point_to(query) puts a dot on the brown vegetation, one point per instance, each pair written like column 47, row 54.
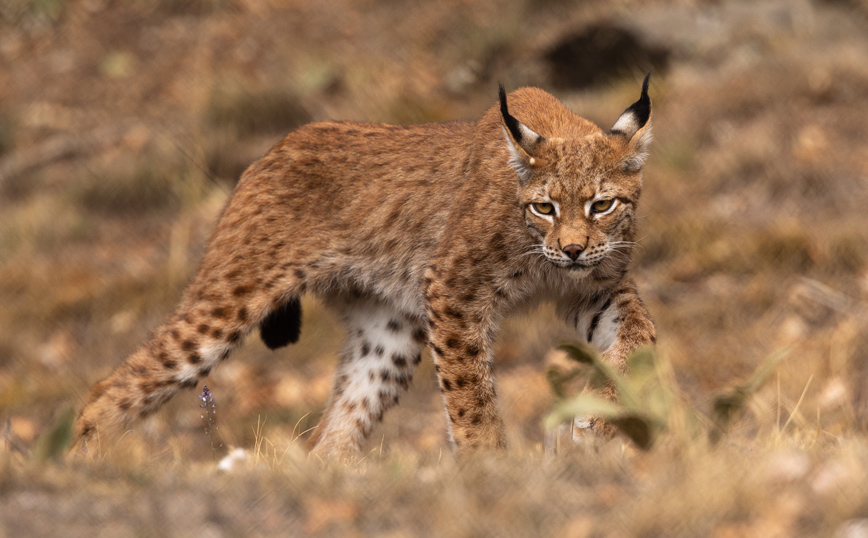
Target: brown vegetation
column 123, row 126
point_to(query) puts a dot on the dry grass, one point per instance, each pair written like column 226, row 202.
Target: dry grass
column 753, row 240
column 792, row 485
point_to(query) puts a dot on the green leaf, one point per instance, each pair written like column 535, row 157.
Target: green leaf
column 604, row 374
column 557, row 380
column 642, row 430
column 579, row 354
column 52, row 444
column 765, row 368
column 585, row 404
column 639, row 427
column 727, row 405
column 642, row 361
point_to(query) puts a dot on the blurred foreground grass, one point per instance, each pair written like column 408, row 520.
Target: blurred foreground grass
column 797, row 483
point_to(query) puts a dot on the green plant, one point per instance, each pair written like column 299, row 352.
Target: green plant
column 649, row 399
column 53, row 443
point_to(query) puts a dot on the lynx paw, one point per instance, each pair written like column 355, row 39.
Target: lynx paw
column 591, row 431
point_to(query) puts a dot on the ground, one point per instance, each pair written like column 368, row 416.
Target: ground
column 124, row 126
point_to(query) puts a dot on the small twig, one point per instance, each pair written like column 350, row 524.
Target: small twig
column 796, row 408
column 830, row 298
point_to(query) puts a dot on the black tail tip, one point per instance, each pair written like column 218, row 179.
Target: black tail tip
column 282, row 326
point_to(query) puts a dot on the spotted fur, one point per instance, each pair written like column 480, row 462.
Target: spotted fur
column 425, row 235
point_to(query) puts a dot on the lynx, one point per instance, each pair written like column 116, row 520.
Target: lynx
column 422, row 235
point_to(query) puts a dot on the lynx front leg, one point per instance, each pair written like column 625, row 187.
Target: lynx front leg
column 617, row 324
column 463, row 361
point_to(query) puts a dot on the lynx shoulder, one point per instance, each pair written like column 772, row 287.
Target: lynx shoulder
column 418, row 236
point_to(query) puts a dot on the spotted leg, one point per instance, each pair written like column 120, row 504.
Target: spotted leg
column 616, row 323
column 381, row 354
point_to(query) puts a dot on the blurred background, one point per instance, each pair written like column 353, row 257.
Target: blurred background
column 124, row 126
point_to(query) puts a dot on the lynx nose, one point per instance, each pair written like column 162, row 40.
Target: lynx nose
column 573, row 251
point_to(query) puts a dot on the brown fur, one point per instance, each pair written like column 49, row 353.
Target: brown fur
column 422, row 235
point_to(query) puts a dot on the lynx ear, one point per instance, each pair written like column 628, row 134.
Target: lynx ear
column 521, row 140
column 635, row 124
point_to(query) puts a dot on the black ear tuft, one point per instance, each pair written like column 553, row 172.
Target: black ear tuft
column 636, row 115
column 643, row 105
column 511, row 123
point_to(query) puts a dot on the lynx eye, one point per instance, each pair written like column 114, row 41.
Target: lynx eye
column 601, row 206
column 543, row 208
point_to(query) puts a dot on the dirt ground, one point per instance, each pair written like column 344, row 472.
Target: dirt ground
column 124, row 126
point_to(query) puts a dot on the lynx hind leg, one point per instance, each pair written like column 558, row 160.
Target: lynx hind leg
column 180, row 353
column 381, row 354
column 177, row 356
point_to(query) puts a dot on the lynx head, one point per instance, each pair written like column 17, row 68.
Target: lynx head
column 577, row 184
